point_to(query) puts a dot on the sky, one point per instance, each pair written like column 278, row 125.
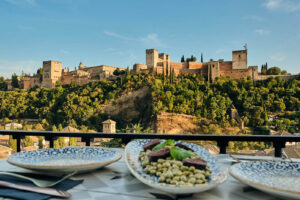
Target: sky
column 117, row 33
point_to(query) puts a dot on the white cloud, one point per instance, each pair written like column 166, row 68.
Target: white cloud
column 116, row 35
column 285, row 5
column 262, row 32
column 278, row 57
column 150, row 39
column 273, row 4
column 7, row 68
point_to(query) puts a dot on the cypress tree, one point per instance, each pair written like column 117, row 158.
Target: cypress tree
column 202, row 57
column 167, row 71
column 182, row 58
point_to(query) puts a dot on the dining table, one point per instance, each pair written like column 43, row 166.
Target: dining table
column 115, row 182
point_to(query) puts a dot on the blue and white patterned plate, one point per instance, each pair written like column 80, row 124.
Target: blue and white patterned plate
column 64, row 160
column 133, row 149
column 280, row 178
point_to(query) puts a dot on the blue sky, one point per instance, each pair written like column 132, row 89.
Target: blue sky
column 118, row 32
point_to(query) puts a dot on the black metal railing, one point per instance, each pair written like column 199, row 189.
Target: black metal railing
column 222, row 140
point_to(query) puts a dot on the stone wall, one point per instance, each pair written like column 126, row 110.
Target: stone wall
column 284, row 77
column 139, row 67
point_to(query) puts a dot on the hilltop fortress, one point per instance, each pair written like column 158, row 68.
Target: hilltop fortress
column 155, row 63
column 236, row 69
column 53, row 72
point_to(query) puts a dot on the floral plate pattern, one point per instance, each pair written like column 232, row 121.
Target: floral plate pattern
column 280, row 178
column 68, row 159
column 132, row 151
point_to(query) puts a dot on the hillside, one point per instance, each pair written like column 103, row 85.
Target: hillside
column 139, row 98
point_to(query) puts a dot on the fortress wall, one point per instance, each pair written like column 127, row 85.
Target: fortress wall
column 177, row 72
column 237, row 73
column 188, row 71
column 197, row 65
column 226, row 66
column 179, row 65
column 67, row 79
column 30, row 82
column 284, row 77
column 139, row 67
column 35, row 81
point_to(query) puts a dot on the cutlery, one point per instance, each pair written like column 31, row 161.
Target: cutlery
column 38, row 182
column 41, row 190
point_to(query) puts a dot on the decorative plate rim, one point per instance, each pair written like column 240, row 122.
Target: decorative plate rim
column 119, row 156
column 254, row 184
column 223, row 177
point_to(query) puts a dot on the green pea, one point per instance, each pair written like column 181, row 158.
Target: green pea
column 192, row 168
column 183, row 178
column 192, row 180
column 162, row 179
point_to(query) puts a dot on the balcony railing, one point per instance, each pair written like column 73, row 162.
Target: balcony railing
column 222, row 140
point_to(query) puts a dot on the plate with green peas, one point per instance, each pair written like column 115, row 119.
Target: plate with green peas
column 173, row 167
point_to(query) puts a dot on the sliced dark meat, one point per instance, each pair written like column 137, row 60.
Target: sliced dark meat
column 184, row 147
column 161, row 153
column 151, row 144
column 196, row 162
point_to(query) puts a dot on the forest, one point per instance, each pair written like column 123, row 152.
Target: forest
column 271, row 103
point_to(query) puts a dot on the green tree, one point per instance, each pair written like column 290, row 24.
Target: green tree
column 12, row 143
column 182, row 58
column 202, row 57
column 14, row 81
column 73, row 84
column 58, row 84
column 274, row 71
column 41, row 145
column 284, row 72
column 3, row 84
column 72, row 141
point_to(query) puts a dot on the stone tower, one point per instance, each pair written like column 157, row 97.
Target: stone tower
column 151, row 58
column 51, row 73
column 213, row 70
column 240, row 59
column 109, row 126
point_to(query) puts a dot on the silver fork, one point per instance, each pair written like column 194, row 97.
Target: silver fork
column 38, row 182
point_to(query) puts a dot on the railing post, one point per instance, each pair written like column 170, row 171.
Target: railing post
column 126, row 140
column 18, row 138
column 87, row 140
column 51, row 140
column 278, row 145
column 222, row 144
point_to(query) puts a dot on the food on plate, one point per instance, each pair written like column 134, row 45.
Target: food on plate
column 176, row 164
column 151, row 144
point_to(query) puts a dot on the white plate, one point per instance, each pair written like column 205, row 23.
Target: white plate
column 279, row 178
column 133, row 150
column 65, row 160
